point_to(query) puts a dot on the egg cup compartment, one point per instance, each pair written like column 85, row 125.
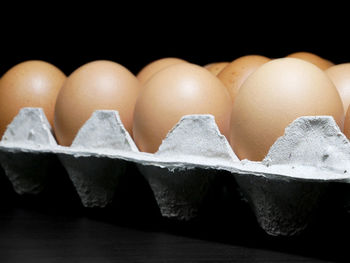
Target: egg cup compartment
column 27, row 169
column 95, row 179
column 283, row 190
column 283, row 207
column 179, row 192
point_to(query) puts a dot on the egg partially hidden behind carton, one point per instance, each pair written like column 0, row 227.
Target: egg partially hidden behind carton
column 274, row 96
column 98, row 85
column 149, row 70
column 236, row 72
column 170, row 94
column 31, row 83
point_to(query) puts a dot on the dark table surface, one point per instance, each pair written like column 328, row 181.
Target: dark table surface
column 54, row 227
column 33, row 236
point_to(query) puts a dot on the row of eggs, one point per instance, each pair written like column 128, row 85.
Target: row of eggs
column 252, row 98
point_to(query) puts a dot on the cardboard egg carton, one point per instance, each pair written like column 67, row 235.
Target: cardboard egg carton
column 283, row 190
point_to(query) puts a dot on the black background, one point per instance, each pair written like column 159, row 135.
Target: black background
column 212, row 38
column 136, row 53
column 54, row 226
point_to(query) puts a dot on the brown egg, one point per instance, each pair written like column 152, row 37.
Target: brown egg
column 274, row 96
column 172, row 93
column 29, row 84
column 312, row 58
column 149, row 70
column 98, row 85
column 347, row 124
column 234, row 74
column 216, row 67
column 340, row 75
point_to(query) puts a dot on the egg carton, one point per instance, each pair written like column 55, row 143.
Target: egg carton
column 283, row 190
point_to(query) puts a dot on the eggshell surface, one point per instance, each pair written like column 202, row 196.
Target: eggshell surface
column 31, row 83
column 274, row 96
column 98, row 85
column 176, row 91
column 312, row 58
column 216, row 67
column 340, row 75
column 347, row 123
column 149, row 70
column 235, row 73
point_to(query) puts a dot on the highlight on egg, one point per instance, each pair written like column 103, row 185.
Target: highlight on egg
column 274, row 96
column 149, row 70
column 236, row 72
column 170, row 94
column 98, row 85
column 31, row 83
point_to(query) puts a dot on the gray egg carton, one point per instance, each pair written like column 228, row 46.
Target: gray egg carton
column 283, row 190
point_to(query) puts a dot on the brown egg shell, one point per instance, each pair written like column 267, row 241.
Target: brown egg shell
column 313, row 58
column 176, row 91
column 29, row 84
column 347, row 123
column 275, row 95
column 235, row 73
column 216, row 67
column 98, row 85
column 340, row 75
column 149, row 70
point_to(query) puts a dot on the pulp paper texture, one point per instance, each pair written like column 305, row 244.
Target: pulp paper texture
column 283, row 190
